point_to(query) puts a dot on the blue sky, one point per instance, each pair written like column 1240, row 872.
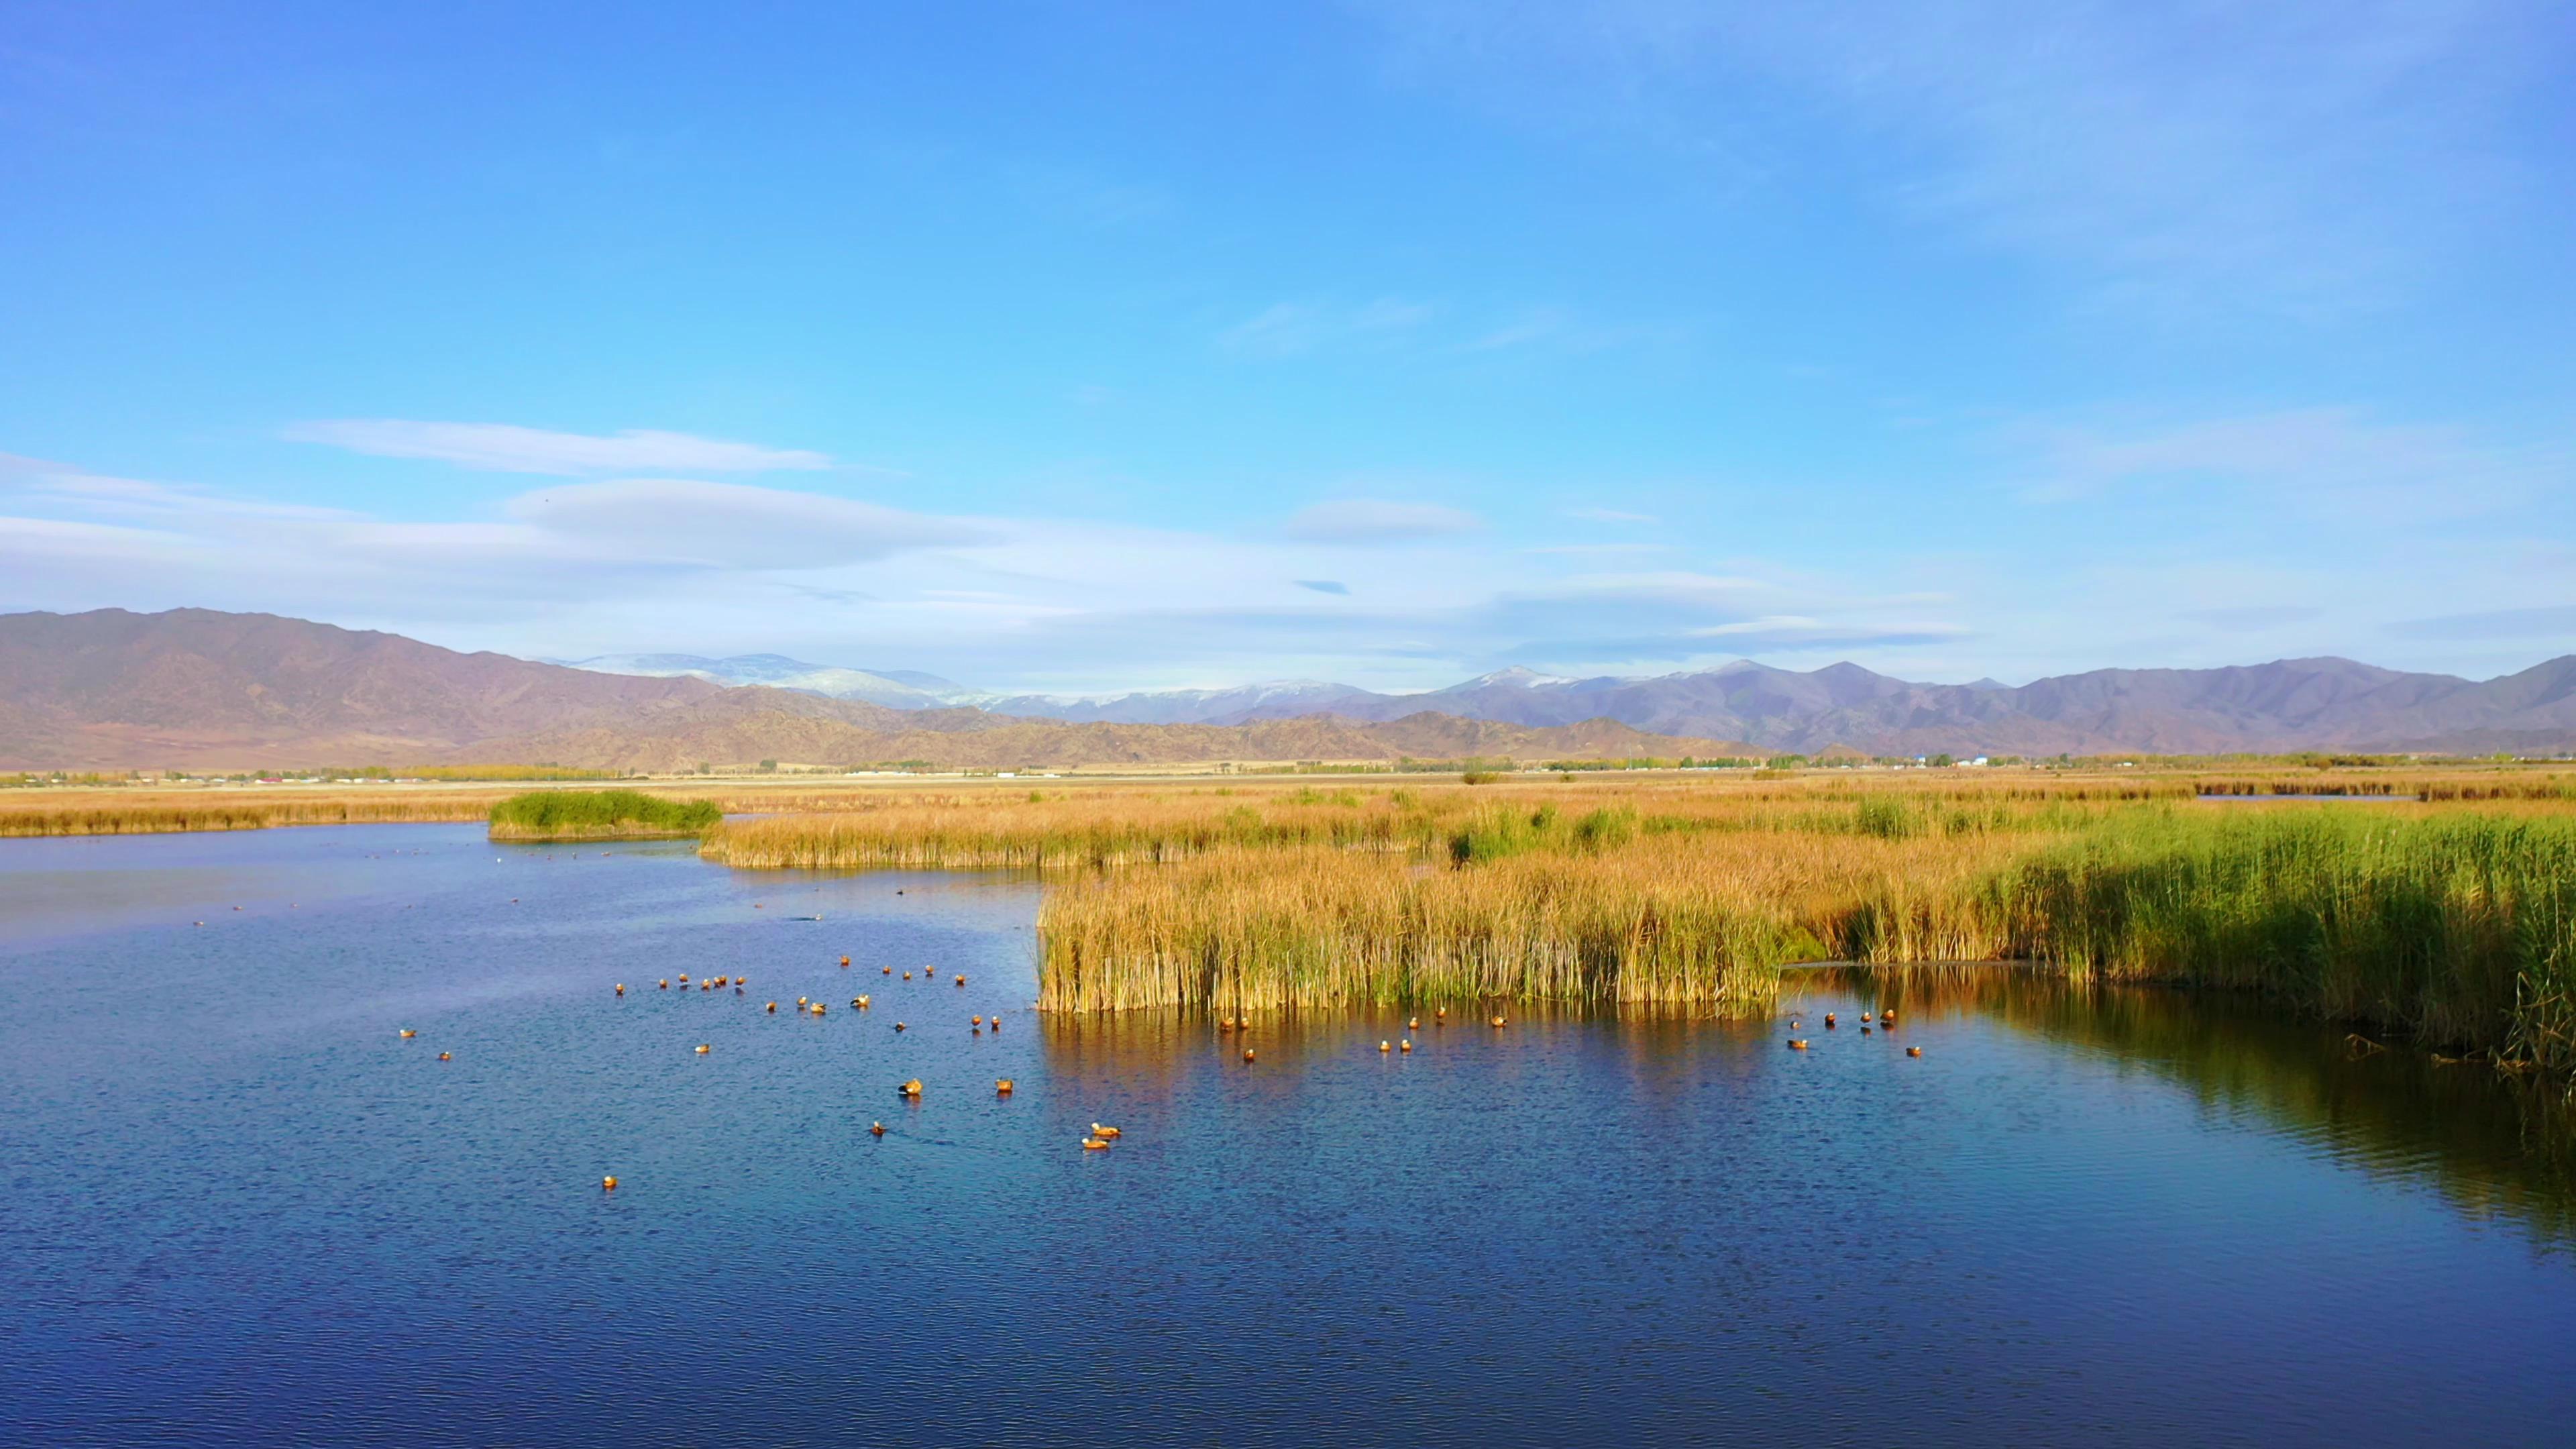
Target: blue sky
column 1087, row 346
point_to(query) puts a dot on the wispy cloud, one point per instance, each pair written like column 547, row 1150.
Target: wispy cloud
column 1580, row 550
column 1373, row 521
column 2337, row 457
column 734, row 525
column 1291, row 329
column 2557, row 619
column 2303, row 156
column 507, row 448
column 1080, row 196
column 1324, row 586
column 1565, row 329
column 2250, row 617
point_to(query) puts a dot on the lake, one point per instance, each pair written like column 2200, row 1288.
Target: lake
column 242, row 1208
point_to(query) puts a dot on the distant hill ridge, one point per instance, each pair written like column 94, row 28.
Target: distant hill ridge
column 2288, row 704
column 197, row 688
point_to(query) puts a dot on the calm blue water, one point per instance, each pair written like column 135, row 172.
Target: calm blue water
column 241, row 1209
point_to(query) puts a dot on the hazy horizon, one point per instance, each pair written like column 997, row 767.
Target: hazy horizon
column 1385, row 343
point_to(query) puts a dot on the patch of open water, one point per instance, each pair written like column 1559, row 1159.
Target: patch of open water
column 242, row 1209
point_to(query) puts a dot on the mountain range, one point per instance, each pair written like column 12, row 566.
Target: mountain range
column 195, row 688
column 2288, row 704
column 198, row 689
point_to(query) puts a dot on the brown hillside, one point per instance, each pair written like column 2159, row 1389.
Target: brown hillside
column 681, row 739
column 193, row 688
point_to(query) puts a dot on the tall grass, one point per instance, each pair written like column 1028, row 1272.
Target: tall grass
column 599, row 815
column 148, row 815
column 1709, row 919
column 2458, row 929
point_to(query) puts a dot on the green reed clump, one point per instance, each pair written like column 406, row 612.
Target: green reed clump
column 1499, row 833
column 2460, row 931
column 599, row 814
column 1889, row 819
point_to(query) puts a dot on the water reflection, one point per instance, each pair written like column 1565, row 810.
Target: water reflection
column 2497, row 1144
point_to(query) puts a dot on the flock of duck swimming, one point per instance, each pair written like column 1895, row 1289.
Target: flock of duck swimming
column 1885, row 1021
column 1102, row 1136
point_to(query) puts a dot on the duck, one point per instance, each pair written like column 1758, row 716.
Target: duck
column 898, row 1026
column 995, row 1023
column 1093, row 1144
column 1498, row 1021
column 773, row 1008
column 818, row 1008
column 1829, row 1021
column 1888, row 1015
column 800, row 1001
column 1104, row 1133
column 911, row 1088
column 1440, row 1014
column 845, row 963
column 446, row 1057
column 1797, row 1043
column 703, row 1049
column 861, row 1002
column 885, row 970
column 1247, row 1056
column 876, row 1129
column 621, row 988
column 907, row 976
column 684, row 978
column 1914, row 1051
column 1414, row 1025
column 1002, row 1087
column 961, row 980
column 608, row 1183
column 1386, row 1046
column 979, row 1021
column 1405, row 1045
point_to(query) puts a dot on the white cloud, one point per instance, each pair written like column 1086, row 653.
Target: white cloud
column 1370, row 520
column 507, row 448
column 733, row 525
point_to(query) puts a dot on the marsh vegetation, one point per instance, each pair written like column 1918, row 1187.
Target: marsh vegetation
column 2452, row 922
column 600, row 815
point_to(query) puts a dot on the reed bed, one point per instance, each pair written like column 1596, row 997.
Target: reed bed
column 2458, row 928
column 1708, row 922
column 136, row 811
column 1098, row 829
column 151, row 816
column 2460, row 931
column 599, row 815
